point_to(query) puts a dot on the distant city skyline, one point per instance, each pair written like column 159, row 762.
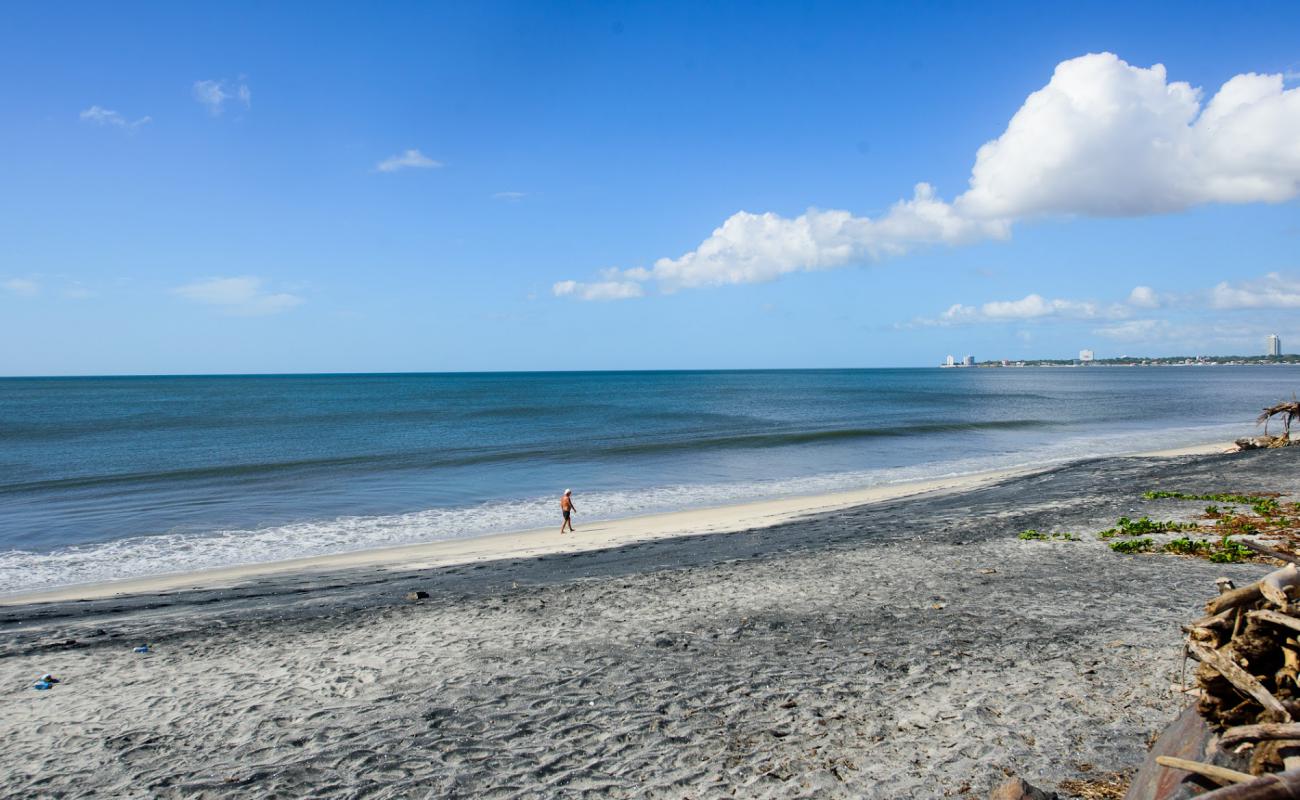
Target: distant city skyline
column 515, row 186
column 1272, row 347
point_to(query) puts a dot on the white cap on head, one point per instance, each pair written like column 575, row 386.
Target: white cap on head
column 568, row 491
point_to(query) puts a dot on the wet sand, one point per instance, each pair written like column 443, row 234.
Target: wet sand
column 913, row 647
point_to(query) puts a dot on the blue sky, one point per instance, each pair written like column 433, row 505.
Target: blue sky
column 332, row 187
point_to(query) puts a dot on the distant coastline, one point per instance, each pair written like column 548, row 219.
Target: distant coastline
column 1139, row 361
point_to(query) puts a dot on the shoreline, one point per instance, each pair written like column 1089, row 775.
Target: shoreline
column 876, row 651
column 546, row 541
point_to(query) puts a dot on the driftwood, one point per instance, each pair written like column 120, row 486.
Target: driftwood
column 1287, row 411
column 1277, row 786
column 1223, row 619
column 1275, row 617
column 1258, row 733
column 1286, row 676
column 1238, row 677
column 1220, row 775
column 1263, row 442
column 1268, row 551
column 1213, row 631
column 1274, row 585
column 1278, row 579
column 1233, row 598
column 1244, row 727
column 1248, row 681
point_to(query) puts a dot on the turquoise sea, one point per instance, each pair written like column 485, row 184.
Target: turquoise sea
column 104, row 478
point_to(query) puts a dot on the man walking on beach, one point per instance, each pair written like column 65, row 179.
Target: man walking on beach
column 567, row 508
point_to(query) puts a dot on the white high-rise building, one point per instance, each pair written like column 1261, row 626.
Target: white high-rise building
column 968, row 361
column 1274, row 345
column 951, row 362
column 1085, row 356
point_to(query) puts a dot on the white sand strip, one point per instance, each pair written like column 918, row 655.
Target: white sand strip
column 1194, row 450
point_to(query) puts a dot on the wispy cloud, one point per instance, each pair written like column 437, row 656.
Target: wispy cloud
column 1220, row 336
column 1197, row 320
column 241, row 296
column 76, row 290
column 599, row 290
column 214, row 95
column 410, row 159
column 98, row 115
column 510, row 197
column 1136, row 329
column 1103, row 138
column 23, row 287
column 1271, row 291
column 1144, row 297
column 1029, row 307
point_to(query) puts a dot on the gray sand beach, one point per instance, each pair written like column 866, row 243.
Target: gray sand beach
column 912, row 648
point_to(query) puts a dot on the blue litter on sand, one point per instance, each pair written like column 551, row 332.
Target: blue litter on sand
column 144, row 648
column 41, row 686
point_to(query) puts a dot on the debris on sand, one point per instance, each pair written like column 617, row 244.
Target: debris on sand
column 1248, row 694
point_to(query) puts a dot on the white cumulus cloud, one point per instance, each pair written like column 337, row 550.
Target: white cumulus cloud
column 1102, row 138
column 98, row 115
column 215, row 94
column 750, row 248
column 1105, row 138
column 410, row 159
column 242, row 296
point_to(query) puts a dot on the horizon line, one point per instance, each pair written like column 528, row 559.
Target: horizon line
column 387, row 373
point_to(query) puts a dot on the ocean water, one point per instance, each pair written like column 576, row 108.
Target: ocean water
column 105, row 478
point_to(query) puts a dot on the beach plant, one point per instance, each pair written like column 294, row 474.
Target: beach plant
column 1145, row 525
column 1234, row 514
column 1130, row 546
column 1236, row 525
column 1035, row 535
column 1229, row 551
column 1184, row 546
column 1221, row 497
column 1266, row 506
